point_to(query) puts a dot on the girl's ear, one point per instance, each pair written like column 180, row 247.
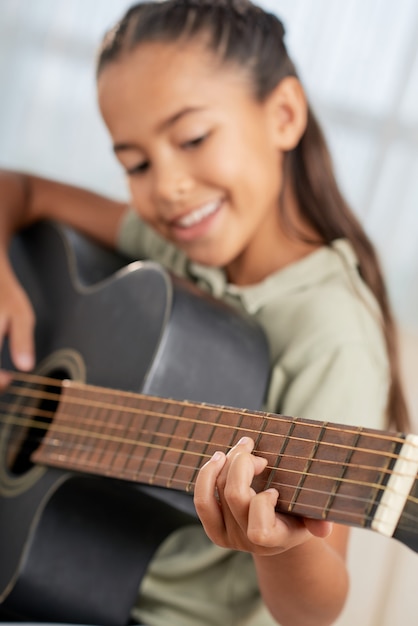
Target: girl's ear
column 288, row 110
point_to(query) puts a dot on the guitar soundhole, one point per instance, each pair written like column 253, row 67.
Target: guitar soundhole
column 34, row 416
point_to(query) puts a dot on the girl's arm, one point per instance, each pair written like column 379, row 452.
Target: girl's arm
column 25, row 199
column 300, row 563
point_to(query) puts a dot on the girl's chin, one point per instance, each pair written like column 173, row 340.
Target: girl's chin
column 210, row 256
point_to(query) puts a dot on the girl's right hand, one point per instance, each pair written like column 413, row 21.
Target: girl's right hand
column 17, row 321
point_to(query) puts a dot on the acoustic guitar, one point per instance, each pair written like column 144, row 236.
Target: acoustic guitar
column 140, row 380
column 74, row 547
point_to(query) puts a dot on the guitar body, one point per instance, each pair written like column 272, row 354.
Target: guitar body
column 75, row 547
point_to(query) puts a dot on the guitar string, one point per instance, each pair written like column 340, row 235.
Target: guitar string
column 332, row 512
column 143, row 432
column 247, row 431
column 265, row 416
column 187, row 485
column 386, row 437
column 54, row 382
column 77, row 385
column 85, row 466
column 175, row 482
column 24, row 421
column 82, row 465
column 405, row 517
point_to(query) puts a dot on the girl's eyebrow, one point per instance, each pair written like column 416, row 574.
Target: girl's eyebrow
column 118, row 147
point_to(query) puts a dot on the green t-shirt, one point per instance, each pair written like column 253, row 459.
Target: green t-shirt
column 328, row 362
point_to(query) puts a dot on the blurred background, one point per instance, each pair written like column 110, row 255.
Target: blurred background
column 358, row 60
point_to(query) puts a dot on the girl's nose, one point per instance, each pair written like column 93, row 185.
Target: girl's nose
column 171, row 183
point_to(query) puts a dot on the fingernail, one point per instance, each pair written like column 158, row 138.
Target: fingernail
column 217, row 456
column 273, row 491
column 24, row 361
column 243, row 440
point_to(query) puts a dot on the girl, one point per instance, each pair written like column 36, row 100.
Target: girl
column 231, row 185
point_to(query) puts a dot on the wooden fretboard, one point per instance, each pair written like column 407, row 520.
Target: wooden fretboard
column 321, row 470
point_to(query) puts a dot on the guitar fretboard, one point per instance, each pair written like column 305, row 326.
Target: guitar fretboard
column 321, row 470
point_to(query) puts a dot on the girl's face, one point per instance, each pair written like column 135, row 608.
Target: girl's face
column 200, row 154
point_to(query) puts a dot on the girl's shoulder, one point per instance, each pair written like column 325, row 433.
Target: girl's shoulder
column 320, row 303
column 328, row 352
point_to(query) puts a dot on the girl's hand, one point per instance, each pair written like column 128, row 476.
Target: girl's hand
column 17, row 320
column 235, row 516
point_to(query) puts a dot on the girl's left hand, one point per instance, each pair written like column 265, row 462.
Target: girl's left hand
column 235, row 516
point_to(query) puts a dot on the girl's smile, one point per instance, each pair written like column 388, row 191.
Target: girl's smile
column 195, row 223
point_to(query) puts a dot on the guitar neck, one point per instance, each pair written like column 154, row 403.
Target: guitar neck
column 350, row 475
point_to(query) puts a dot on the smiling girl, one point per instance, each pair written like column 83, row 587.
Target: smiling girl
column 231, row 186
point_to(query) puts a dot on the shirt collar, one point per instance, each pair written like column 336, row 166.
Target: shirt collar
column 314, row 268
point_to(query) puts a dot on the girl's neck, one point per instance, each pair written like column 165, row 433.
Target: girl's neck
column 243, row 271
column 277, row 248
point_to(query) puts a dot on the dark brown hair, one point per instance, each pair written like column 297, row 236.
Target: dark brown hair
column 240, row 32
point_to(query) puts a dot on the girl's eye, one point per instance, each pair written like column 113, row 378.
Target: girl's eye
column 141, row 168
column 193, row 143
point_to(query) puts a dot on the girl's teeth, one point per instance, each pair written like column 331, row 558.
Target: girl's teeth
column 197, row 216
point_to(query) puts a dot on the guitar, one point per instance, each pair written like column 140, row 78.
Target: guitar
column 133, row 327
column 351, row 475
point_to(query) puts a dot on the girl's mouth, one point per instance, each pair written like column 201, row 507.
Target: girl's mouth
column 196, row 223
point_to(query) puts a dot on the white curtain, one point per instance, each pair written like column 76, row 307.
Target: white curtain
column 358, row 60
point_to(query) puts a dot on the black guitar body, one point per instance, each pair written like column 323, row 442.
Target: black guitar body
column 73, row 548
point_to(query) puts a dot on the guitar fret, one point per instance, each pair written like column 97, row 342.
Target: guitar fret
column 116, row 424
column 132, row 434
column 306, row 469
column 127, row 432
column 153, row 451
column 351, row 493
column 335, row 487
column 180, row 455
column 250, row 425
column 133, row 468
column 101, row 448
column 127, row 449
column 236, row 433
column 189, row 438
column 76, row 446
column 283, row 447
column 261, row 432
column 310, row 495
column 361, row 476
column 195, row 468
column 215, row 433
column 76, row 419
column 106, row 449
column 110, row 424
